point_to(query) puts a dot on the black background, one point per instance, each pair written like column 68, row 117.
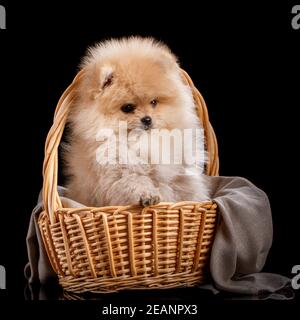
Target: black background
column 244, row 59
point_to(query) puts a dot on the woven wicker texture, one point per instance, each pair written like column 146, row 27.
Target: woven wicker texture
column 126, row 247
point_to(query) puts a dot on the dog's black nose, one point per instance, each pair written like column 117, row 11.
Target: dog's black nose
column 146, row 121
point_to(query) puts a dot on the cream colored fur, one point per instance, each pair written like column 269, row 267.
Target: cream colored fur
column 118, row 72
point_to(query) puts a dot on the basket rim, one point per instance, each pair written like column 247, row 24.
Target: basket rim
column 125, row 210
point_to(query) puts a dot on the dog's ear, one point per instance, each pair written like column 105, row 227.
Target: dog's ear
column 106, row 76
column 98, row 79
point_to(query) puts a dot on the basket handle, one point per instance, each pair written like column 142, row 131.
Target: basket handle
column 211, row 144
column 51, row 199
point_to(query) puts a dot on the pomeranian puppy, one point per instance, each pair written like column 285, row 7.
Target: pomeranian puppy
column 133, row 85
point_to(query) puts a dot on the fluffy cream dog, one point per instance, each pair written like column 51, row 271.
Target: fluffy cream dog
column 137, row 82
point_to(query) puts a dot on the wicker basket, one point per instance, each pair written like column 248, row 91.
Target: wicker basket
column 126, row 247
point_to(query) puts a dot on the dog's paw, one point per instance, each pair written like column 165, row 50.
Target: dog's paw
column 147, row 200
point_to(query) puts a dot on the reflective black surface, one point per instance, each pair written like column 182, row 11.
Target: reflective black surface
column 55, row 292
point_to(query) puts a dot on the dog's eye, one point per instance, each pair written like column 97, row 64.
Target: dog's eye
column 153, row 103
column 127, row 108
